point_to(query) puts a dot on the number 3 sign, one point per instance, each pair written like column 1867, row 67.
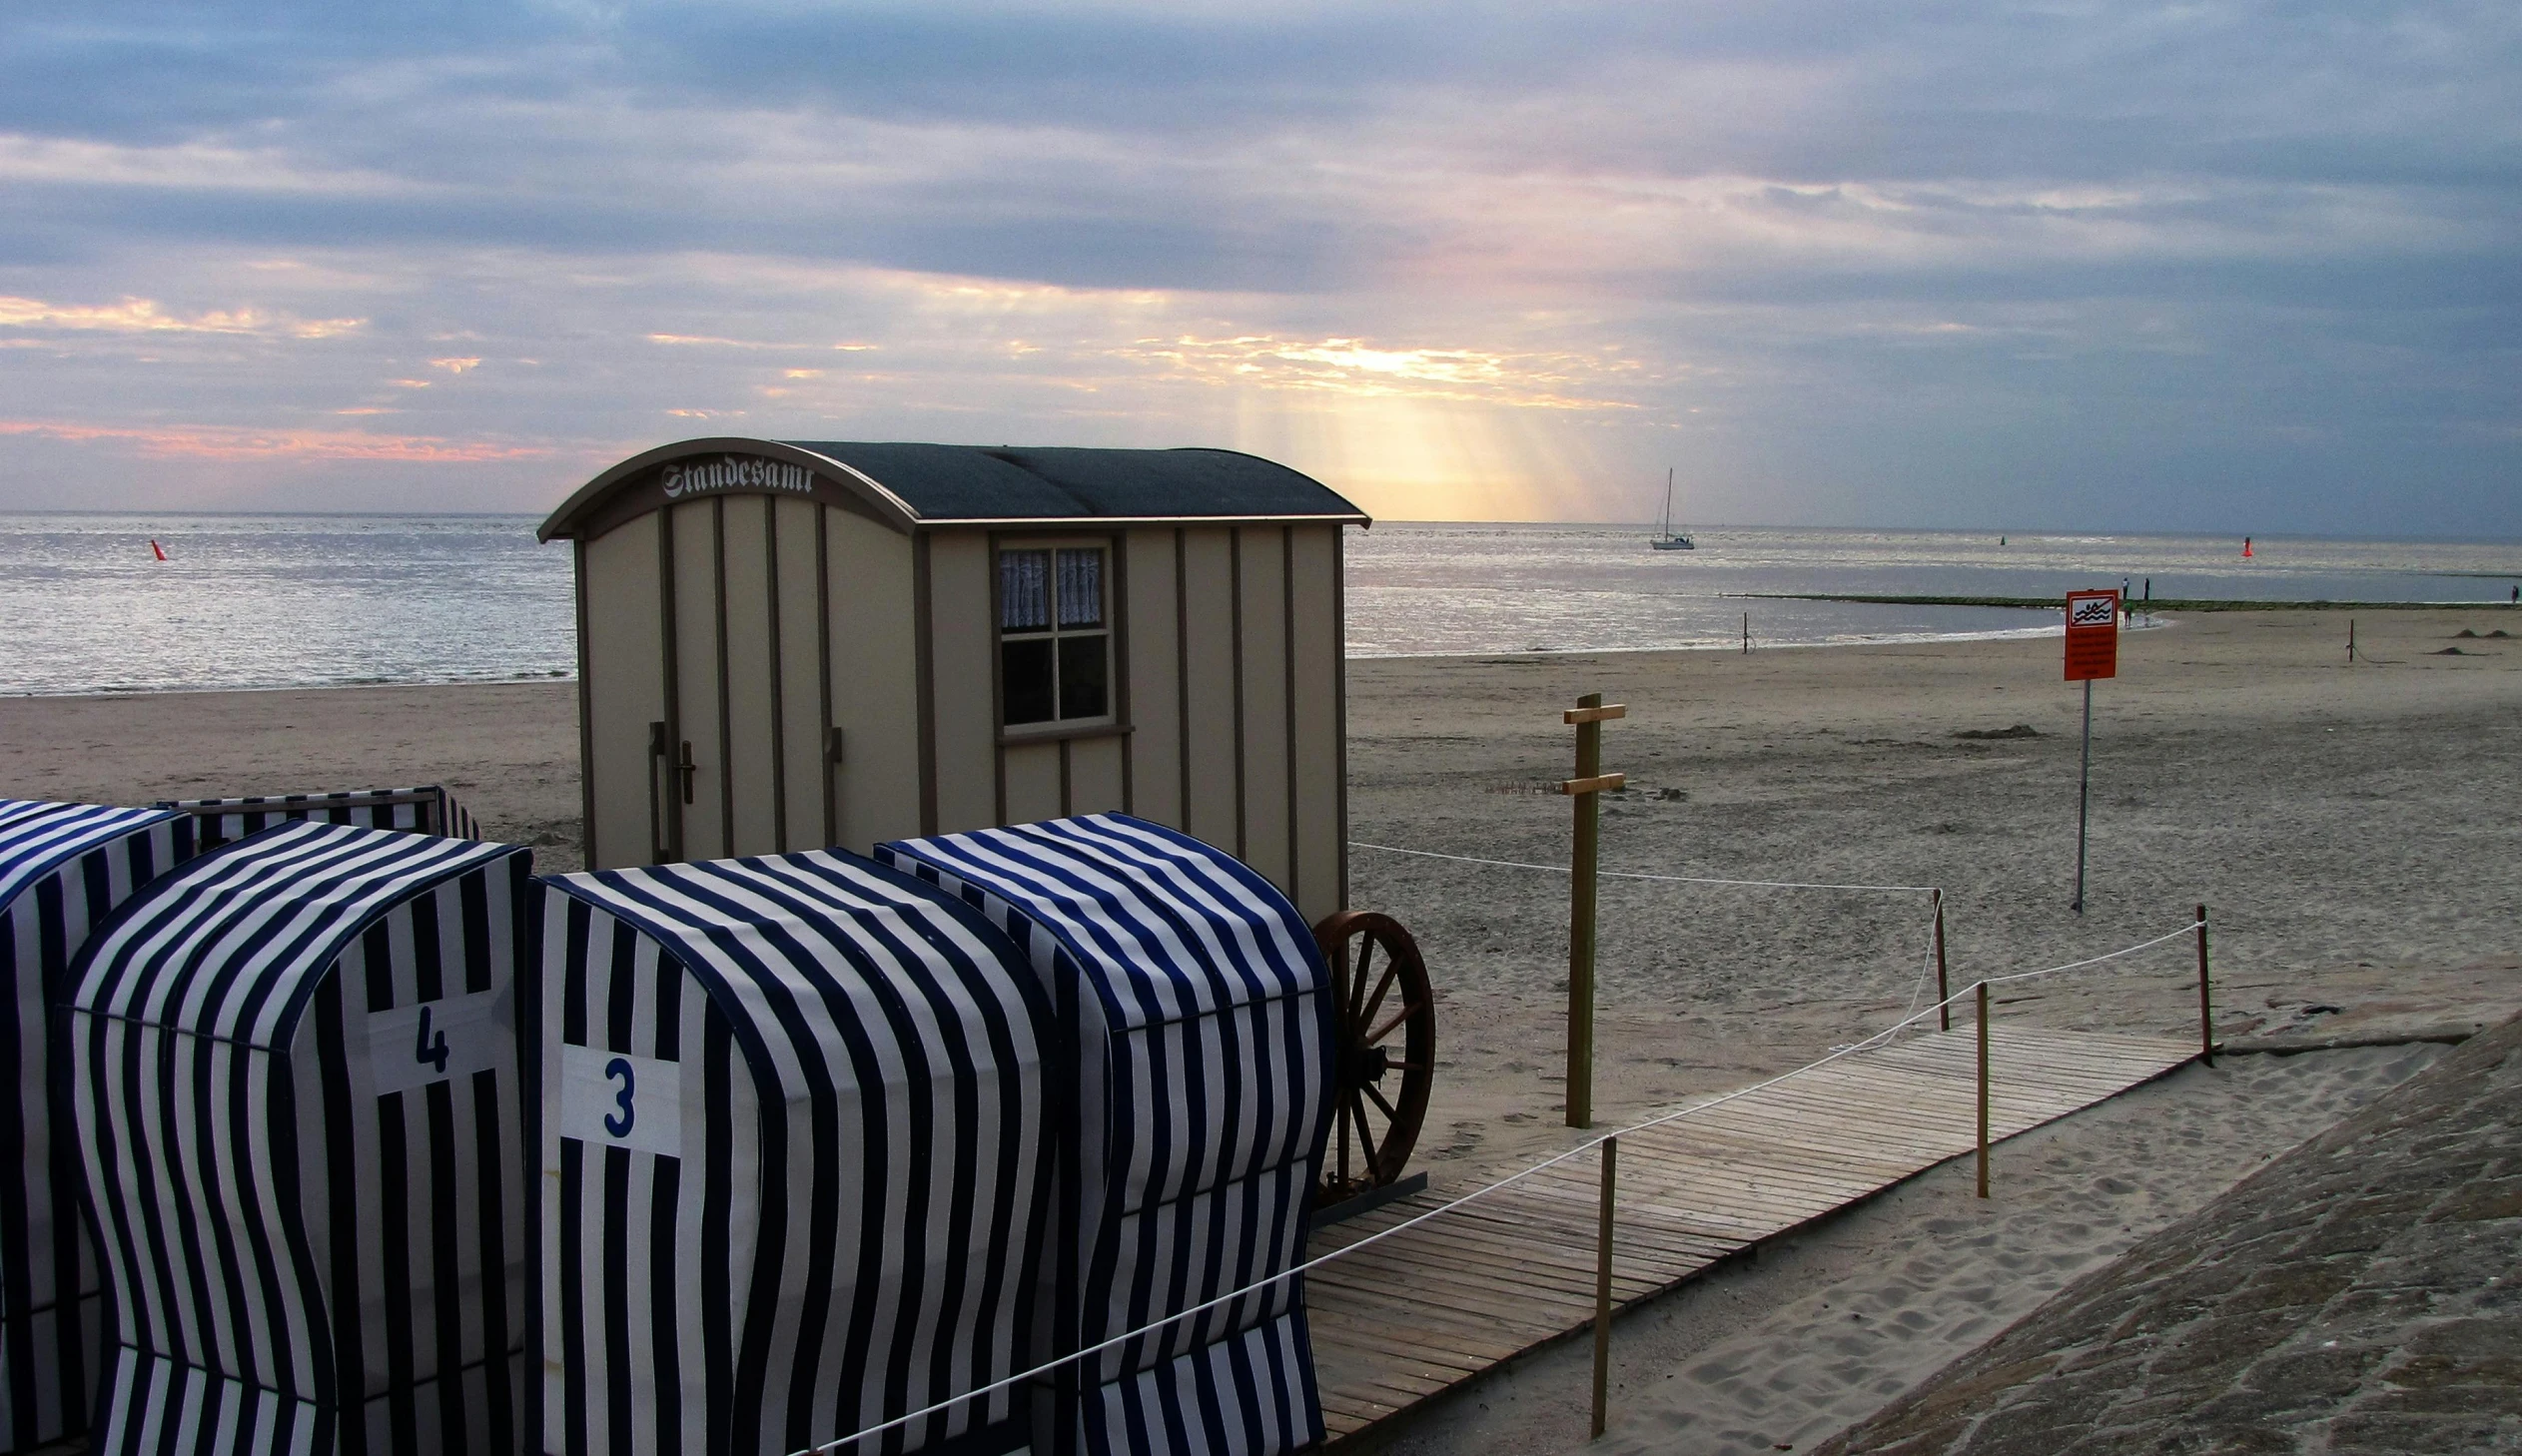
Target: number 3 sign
column 613, row 1099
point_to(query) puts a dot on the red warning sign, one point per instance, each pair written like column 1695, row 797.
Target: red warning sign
column 2092, row 635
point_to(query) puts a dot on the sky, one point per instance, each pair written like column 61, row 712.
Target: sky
column 2128, row 266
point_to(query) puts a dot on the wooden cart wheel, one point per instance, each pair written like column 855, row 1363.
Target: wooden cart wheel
column 1387, row 1025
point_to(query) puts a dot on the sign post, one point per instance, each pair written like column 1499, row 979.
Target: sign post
column 1588, row 716
column 2092, row 650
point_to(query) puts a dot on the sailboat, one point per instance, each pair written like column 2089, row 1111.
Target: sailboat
column 1669, row 541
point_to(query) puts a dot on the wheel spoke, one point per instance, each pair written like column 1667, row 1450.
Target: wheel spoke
column 1398, row 1017
column 1357, row 980
column 1391, row 971
column 1390, row 1117
column 1365, row 1142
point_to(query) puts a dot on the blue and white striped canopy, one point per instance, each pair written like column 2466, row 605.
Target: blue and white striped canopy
column 1201, row 1082
column 793, row 1160
column 428, row 809
column 64, row 868
column 294, row 1065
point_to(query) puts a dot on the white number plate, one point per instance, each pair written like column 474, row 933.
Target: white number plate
column 432, row 1041
column 613, row 1099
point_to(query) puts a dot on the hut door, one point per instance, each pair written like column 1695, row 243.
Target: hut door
column 691, row 758
column 742, row 763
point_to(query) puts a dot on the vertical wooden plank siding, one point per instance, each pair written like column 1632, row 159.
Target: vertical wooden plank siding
column 779, row 674
column 1313, row 602
column 669, row 804
column 752, row 752
column 728, row 745
column 925, row 638
column 1207, row 666
column 875, row 682
column 829, row 761
column 963, row 680
column 587, row 719
column 1340, row 712
column 1097, row 767
column 1288, row 701
column 1182, row 675
column 998, row 688
column 621, row 687
column 1123, row 685
column 803, row 673
column 697, row 623
column 1263, row 622
column 1235, row 641
column 1156, row 748
column 1032, row 781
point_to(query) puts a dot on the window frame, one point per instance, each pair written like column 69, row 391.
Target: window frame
column 1056, row 727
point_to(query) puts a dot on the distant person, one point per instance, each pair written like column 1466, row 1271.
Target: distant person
column 2517, row 597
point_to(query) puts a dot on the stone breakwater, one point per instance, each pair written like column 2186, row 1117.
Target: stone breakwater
column 2363, row 1293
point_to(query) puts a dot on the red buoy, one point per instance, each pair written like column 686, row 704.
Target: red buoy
column 162, row 552
column 2245, row 548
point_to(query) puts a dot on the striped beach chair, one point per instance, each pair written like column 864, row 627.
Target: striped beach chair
column 426, row 809
column 64, row 868
column 293, row 1068
column 792, row 1155
column 1194, row 1073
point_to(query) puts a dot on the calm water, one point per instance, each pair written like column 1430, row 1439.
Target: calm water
column 280, row 601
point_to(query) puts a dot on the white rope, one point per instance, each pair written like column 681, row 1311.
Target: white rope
column 1633, row 874
column 1836, row 1053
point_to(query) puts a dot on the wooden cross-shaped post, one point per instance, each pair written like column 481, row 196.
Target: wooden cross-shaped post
column 1588, row 715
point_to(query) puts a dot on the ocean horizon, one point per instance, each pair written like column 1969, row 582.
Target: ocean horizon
column 308, row 600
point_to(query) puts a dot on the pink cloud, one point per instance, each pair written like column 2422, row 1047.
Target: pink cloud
column 230, row 442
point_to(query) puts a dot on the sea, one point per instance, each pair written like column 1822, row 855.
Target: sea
column 273, row 601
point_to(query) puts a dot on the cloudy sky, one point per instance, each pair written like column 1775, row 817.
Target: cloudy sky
column 2214, row 265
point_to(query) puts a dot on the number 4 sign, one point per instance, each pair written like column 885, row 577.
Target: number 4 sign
column 410, row 1047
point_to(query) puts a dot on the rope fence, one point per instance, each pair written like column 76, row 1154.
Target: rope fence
column 1935, row 937
column 1605, row 1143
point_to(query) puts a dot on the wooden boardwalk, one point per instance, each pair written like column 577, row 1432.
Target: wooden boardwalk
column 1442, row 1302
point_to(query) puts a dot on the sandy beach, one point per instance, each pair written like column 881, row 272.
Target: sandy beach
column 2352, row 828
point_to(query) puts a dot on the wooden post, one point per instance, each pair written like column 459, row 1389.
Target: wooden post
column 1982, row 1088
column 2207, row 1005
column 1747, row 634
column 2084, row 799
column 1588, row 716
column 1602, row 1285
column 1944, row 993
column 2351, row 639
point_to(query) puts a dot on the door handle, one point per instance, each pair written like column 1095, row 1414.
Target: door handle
column 687, row 769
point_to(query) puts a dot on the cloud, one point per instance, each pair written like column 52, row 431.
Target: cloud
column 224, row 442
column 145, row 316
column 1894, row 262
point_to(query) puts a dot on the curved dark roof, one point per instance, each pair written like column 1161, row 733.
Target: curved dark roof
column 909, row 485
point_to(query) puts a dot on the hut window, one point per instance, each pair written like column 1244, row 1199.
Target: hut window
column 1055, row 637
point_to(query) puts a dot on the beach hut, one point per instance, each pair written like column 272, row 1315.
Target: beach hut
column 1193, row 1078
column 427, row 810
column 294, row 1067
column 794, row 1184
column 788, row 645
column 64, row 868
